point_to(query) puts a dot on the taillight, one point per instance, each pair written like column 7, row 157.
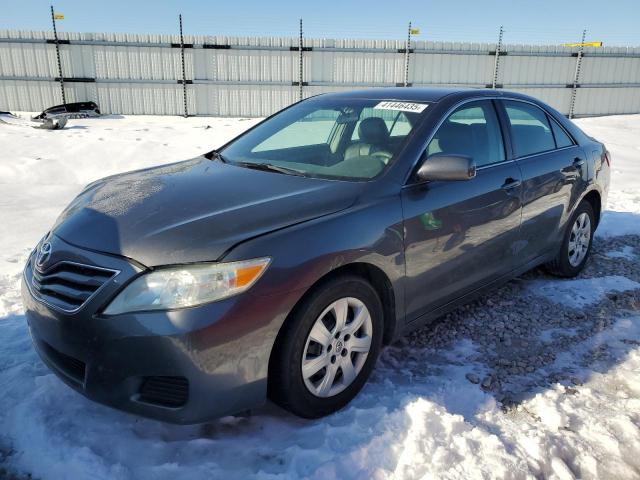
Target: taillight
column 607, row 157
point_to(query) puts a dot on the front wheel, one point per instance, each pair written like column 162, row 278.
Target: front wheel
column 328, row 349
column 576, row 245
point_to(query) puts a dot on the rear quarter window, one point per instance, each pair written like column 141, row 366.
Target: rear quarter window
column 562, row 139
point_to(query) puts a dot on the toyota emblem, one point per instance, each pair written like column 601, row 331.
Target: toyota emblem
column 43, row 254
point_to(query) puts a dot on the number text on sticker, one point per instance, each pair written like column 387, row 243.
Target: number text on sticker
column 401, row 106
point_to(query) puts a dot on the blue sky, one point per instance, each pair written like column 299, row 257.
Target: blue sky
column 614, row 22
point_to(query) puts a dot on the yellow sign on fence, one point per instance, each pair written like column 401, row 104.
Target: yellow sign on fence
column 415, row 31
column 58, row 16
column 585, row 44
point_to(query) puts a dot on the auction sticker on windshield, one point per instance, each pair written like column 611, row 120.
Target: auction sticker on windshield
column 401, row 106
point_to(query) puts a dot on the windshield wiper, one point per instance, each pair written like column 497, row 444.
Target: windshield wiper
column 271, row 168
column 215, row 155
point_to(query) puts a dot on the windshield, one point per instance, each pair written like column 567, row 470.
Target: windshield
column 348, row 139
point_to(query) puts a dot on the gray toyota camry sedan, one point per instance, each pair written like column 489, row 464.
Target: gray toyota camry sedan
column 279, row 265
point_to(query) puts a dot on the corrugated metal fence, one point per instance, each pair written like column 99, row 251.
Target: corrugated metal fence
column 255, row 76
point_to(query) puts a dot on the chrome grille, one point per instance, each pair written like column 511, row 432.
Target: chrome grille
column 68, row 285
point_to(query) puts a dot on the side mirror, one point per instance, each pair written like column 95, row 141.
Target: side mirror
column 444, row 166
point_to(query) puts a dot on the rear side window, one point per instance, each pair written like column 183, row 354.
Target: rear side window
column 562, row 139
column 530, row 129
column 471, row 130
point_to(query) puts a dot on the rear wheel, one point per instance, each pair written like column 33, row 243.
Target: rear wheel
column 576, row 244
column 329, row 348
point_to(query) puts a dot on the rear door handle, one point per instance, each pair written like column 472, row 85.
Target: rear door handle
column 578, row 162
column 511, row 183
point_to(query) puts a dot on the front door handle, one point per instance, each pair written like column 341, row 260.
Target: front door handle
column 511, row 183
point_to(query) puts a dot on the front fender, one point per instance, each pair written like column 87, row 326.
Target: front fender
column 370, row 233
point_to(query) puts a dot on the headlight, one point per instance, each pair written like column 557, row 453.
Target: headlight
column 187, row 285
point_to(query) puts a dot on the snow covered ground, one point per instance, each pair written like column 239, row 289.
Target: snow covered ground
column 540, row 379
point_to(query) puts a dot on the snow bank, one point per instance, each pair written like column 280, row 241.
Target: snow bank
column 582, row 292
column 620, row 134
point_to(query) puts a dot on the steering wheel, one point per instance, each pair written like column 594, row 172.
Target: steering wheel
column 382, row 155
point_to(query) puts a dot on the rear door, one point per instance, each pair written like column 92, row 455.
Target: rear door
column 554, row 172
column 460, row 235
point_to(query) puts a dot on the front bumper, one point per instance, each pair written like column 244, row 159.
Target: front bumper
column 183, row 366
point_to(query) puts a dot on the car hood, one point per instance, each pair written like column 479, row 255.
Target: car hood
column 194, row 210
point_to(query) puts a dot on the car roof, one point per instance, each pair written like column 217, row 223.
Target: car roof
column 421, row 94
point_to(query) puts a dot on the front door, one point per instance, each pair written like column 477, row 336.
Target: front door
column 460, row 235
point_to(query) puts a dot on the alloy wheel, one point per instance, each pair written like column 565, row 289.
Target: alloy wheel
column 579, row 239
column 337, row 347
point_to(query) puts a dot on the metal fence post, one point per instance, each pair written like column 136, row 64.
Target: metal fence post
column 300, row 64
column 57, row 43
column 184, row 75
column 496, row 64
column 576, row 77
column 407, row 50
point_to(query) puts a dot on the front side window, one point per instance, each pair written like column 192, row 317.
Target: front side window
column 530, row 129
column 348, row 139
column 472, row 130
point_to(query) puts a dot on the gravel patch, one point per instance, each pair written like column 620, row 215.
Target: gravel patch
column 518, row 335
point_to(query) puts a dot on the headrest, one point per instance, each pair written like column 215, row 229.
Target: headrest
column 455, row 138
column 373, row 130
column 528, row 138
column 522, row 132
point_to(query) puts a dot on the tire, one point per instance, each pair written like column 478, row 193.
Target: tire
column 291, row 385
column 565, row 264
